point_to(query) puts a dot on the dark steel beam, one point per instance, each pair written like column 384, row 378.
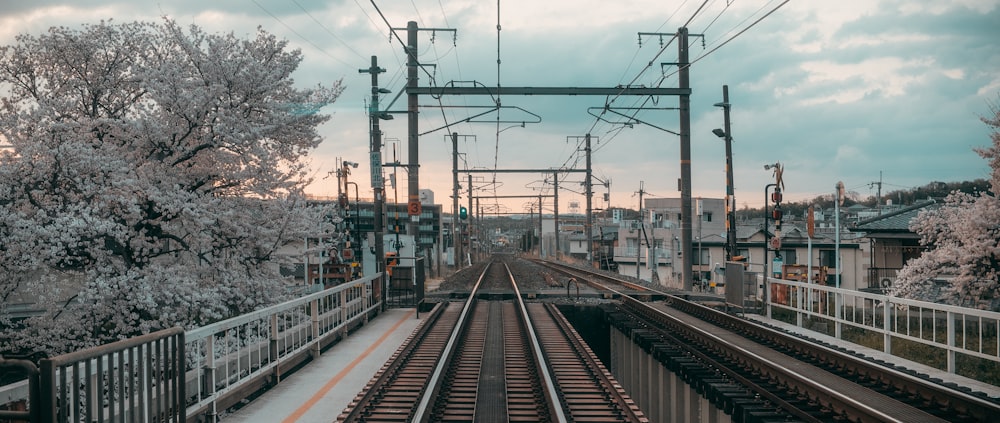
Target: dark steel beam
column 613, row 91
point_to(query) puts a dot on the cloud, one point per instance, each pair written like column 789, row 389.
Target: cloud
column 833, row 90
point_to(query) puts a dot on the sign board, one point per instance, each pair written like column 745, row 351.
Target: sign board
column 376, row 167
column 413, row 208
column 776, row 266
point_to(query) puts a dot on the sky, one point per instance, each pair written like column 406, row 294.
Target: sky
column 871, row 93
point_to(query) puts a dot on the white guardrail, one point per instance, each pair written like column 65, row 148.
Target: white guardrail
column 232, row 358
column 227, row 361
column 956, row 330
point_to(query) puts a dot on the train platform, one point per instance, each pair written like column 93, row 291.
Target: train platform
column 990, row 390
column 321, row 390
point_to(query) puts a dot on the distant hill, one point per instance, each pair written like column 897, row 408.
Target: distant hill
column 934, row 189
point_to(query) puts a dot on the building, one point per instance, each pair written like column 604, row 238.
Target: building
column 657, row 235
column 891, row 244
column 335, row 255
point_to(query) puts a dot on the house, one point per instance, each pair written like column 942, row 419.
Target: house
column 892, row 243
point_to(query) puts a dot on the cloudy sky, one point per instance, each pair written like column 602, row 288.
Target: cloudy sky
column 859, row 91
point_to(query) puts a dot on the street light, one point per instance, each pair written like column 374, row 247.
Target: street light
column 727, row 135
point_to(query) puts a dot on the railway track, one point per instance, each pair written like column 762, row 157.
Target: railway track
column 493, row 361
column 770, row 374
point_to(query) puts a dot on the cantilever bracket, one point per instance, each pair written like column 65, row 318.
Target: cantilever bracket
column 632, row 120
column 472, row 119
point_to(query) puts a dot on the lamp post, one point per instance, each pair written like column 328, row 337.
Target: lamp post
column 727, row 135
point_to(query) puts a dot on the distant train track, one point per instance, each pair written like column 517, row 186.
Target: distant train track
column 790, row 376
column 506, row 360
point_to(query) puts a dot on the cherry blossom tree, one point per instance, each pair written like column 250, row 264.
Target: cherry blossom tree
column 963, row 241
column 154, row 172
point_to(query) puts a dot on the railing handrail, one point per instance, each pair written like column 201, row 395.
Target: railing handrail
column 891, row 299
column 203, row 331
column 941, row 326
column 307, row 323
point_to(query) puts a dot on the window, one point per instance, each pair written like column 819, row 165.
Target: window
column 701, row 256
column 632, row 243
column 788, row 257
column 827, row 258
column 706, row 216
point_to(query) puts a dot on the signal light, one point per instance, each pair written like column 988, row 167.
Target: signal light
column 463, row 213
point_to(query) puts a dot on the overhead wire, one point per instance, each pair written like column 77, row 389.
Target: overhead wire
column 649, row 65
column 415, row 55
column 496, row 145
column 328, row 30
column 458, row 62
column 320, row 49
column 712, row 50
column 721, row 12
column 699, row 58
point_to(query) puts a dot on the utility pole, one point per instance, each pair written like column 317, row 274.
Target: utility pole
column 454, row 201
column 412, row 108
column 413, row 134
column 469, row 220
column 730, row 197
column 590, row 210
column 685, row 124
column 540, row 244
column 638, row 235
column 555, row 209
column 378, row 183
column 878, row 195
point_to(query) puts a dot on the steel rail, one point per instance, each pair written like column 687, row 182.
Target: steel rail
column 599, row 371
column 422, row 414
column 555, row 401
column 845, row 401
column 933, row 393
column 397, row 361
column 977, row 406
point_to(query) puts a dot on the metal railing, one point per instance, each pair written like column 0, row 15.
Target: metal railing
column 627, row 253
column 882, row 278
column 139, row 379
column 229, row 359
column 956, row 330
column 172, row 375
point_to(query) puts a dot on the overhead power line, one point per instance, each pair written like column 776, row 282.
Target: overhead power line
column 301, row 36
column 665, row 76
column 328, row 30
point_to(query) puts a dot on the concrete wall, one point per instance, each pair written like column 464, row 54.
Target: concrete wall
column 661, row 394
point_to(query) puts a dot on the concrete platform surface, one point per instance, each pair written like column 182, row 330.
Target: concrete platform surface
column 321, row 390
